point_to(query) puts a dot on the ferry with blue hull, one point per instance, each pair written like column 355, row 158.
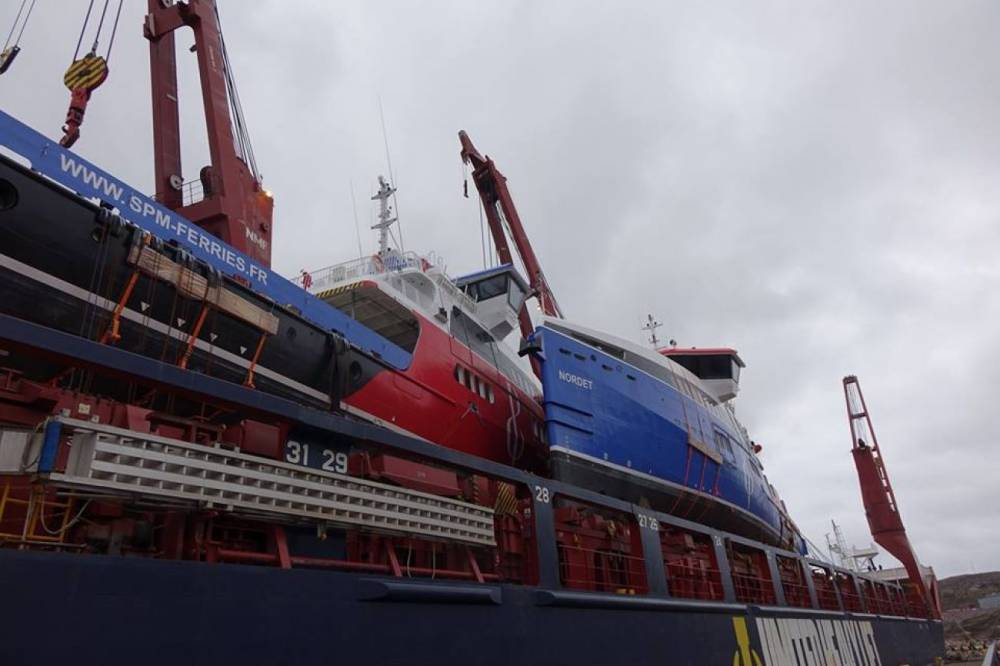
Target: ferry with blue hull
column 656, row 427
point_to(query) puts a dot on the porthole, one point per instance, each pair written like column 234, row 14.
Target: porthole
column 354, row 372
column 8, row 195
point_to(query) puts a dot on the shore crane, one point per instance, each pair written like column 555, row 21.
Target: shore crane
column 881, row 508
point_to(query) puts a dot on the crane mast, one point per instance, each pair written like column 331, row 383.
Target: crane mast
column 231, row 204
column 499, row 207
column 881, row 509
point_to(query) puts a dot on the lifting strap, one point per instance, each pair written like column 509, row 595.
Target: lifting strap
column 113, row 333
column 10, row 51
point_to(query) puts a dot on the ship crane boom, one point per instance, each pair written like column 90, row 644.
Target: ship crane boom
column 879, row 499
column 500, row 209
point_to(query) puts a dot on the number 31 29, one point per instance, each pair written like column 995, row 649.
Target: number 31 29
column 333, row 461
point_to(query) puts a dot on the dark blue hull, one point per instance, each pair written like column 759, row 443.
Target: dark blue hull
column 61, row 609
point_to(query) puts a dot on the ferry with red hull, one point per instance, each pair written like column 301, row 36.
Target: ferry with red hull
column 204, row 462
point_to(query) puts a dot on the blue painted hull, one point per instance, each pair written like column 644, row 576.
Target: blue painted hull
column 650, row 440
column 90, row 610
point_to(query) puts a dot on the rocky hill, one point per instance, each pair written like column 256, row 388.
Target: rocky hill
column 967, row 629
column 964, row 591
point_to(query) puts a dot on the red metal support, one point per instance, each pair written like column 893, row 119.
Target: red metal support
column 881, row 508
column 281, row 547
column 235, row 208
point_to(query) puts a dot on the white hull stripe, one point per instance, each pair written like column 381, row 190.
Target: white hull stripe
column 362, row 414
column 663, row 482
column 144, row 320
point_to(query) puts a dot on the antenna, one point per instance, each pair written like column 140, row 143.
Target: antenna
column 357, row 228
column 388, row 163
column 651, row 325
column 850, row 557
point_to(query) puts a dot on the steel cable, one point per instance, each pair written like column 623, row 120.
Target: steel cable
column 100, row 24
column 13, row 25
column 25, row 24
column 114, row 31
column 17, row 18
column 83, row 29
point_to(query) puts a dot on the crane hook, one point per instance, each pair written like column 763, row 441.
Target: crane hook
column 82, row 78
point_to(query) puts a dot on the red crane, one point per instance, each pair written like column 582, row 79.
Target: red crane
column 232, row 204
column 499, row 206
column 881, row 509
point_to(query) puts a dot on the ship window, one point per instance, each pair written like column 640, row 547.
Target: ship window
column 8, row 195
column 459, row 374
column 468, row 331
column 515, row 295
column 709, row 366
column 602, row 346
column 490, row 395
column 488, row 288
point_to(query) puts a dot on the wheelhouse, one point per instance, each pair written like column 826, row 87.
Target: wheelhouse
column 499, row 293
column 718, row 368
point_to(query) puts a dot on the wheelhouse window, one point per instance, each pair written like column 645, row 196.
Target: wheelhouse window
column 714, row 366
column 488, row 288
column 515, row 295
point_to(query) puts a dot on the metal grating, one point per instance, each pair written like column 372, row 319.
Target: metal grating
column 108, row 458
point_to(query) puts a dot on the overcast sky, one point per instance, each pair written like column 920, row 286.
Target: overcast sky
column 814, row 184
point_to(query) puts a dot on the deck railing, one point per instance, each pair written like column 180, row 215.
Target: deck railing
column 355, row 269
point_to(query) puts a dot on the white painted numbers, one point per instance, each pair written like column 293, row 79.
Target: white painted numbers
column 334, row 461
column 648, row 522
column 329, row 460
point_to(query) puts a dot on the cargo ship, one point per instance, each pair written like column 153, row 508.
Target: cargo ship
column 202, row 461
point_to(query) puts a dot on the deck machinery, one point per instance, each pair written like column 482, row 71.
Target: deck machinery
column 174, row 512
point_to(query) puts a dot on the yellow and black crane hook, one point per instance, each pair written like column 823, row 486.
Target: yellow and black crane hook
column 85, row 74
column 10, row 51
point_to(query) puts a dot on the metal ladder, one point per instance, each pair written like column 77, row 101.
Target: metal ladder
column 104, row 458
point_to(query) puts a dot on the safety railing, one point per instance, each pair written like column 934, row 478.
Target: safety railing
column 751, row 589
column 191, row 192
column 848, row 595
column 355, row 269
column 326, row 278
column 32, row 514
column 694, row 581
column 826, row 593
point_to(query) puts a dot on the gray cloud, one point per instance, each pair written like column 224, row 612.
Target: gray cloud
column 812, row 183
